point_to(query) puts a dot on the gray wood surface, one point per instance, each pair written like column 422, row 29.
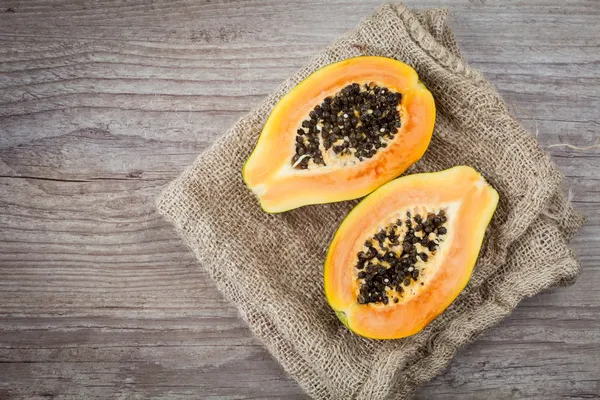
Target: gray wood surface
column 102, row 103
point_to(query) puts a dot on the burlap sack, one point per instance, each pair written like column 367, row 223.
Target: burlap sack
column 270, row 266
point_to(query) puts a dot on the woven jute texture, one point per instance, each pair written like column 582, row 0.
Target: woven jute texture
column 270, row 266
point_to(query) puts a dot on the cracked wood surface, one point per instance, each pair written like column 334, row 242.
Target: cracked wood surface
column 102, row 103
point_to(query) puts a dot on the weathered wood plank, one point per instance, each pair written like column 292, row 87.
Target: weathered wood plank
column 102, row 103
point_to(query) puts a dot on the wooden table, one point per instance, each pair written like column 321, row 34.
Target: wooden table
column 102, row 103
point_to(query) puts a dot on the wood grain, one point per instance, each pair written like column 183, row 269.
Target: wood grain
column 102, row 103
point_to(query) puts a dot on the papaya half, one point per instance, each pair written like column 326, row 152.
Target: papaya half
column 405, row 252
column 341, row 133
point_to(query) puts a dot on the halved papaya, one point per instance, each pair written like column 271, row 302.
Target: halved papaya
column 341, row 133
column 407, row 250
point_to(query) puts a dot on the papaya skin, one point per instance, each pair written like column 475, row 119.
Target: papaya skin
column 279, row 187
column 473, row 202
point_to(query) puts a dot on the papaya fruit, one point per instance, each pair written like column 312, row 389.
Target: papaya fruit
column 406, row 251
column 341, row 133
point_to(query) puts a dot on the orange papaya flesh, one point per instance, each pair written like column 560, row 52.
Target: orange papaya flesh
column 407, row 250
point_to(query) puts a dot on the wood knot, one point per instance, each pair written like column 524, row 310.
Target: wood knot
column 135, row 174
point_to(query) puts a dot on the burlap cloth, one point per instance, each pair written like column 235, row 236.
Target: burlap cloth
column 270, row 266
